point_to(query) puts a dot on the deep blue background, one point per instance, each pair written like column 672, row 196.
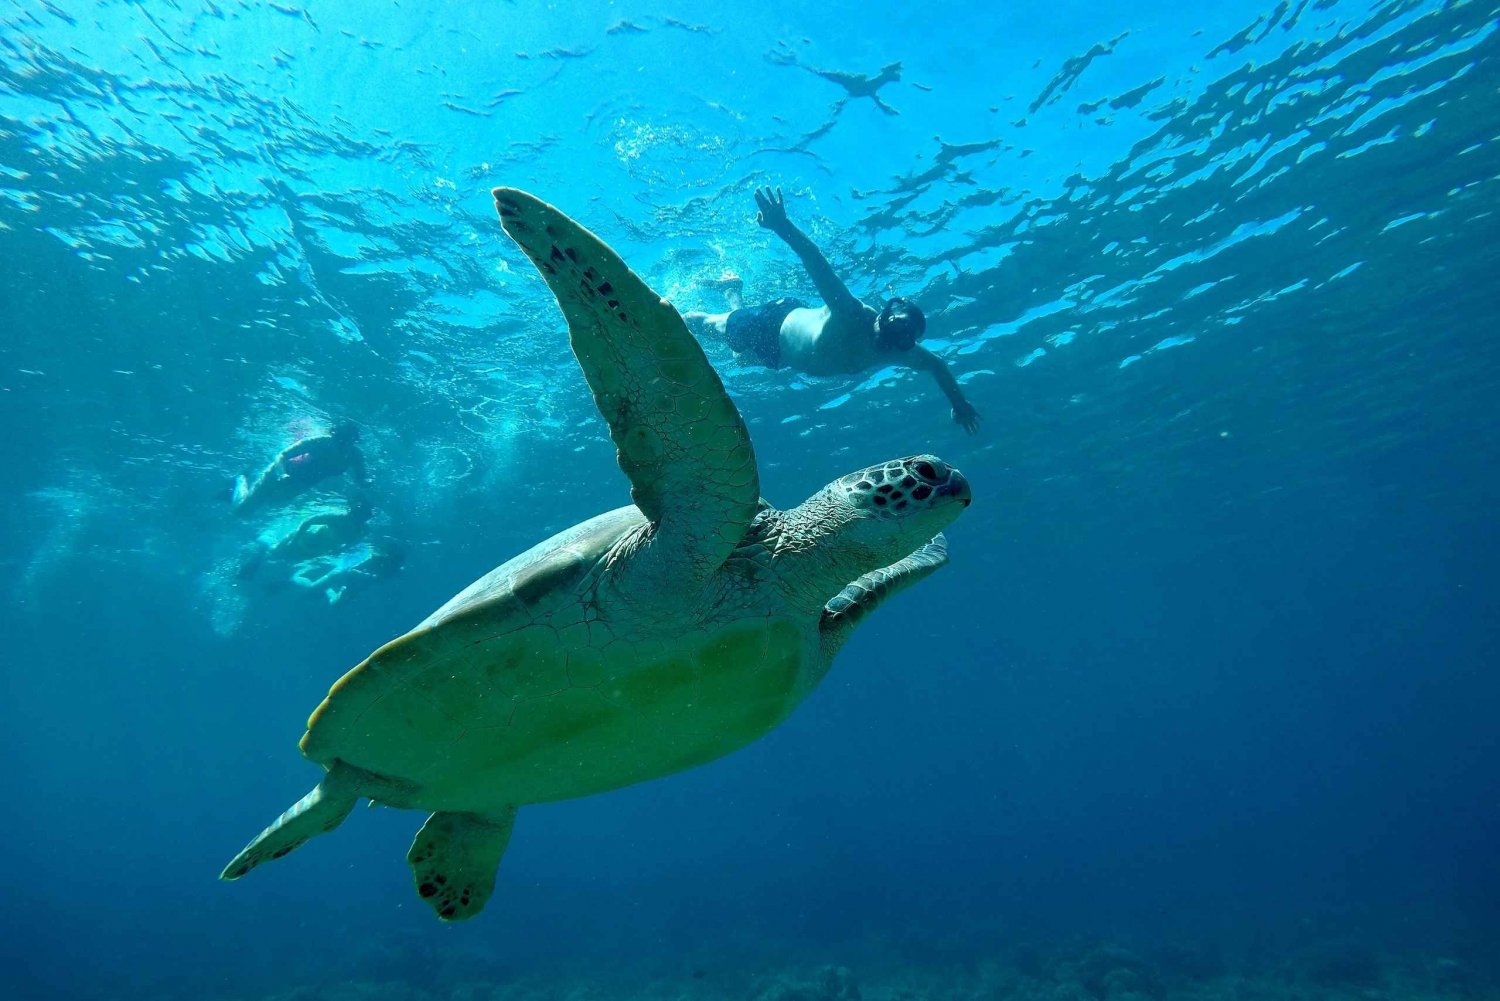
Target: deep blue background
column 1214, row 660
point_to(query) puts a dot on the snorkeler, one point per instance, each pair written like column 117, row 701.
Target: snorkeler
column 300, row 465
column 323, row 532
column 842, row 337
column 356, row 567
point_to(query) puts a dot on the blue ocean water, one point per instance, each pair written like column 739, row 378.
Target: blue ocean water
column 1205, row 704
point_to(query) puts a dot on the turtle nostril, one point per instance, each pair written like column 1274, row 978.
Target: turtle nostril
column 926, row 470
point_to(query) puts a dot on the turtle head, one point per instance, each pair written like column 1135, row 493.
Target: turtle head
column 898, row 505
column 868, row 520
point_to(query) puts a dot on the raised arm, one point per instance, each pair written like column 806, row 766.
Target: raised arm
column 964, row 413
column 772, row 216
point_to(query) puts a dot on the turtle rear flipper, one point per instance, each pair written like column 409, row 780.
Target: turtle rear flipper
column 455, row 857
column 319, row 812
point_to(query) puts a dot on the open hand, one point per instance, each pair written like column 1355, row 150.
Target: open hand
column 966, row 417
column 772, row 214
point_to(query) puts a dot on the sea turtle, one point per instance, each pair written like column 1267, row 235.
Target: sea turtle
column 643, row 641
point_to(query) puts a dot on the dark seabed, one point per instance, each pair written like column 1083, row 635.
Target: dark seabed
column 1205, row 704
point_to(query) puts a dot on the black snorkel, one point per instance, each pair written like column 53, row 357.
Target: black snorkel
column 899, row 325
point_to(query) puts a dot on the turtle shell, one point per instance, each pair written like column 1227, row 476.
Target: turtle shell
column 535, row 684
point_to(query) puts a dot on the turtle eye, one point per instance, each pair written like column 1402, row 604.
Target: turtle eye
column 926, row 470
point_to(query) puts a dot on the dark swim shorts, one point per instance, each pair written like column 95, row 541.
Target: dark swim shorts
column 756, row 332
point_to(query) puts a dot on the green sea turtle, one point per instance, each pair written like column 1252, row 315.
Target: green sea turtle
column 641, row 642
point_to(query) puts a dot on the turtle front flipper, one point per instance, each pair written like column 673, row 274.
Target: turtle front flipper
column 455, row 857
column 679, row 437
column 846, row 609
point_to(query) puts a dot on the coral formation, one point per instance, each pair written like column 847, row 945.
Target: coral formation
column 1336, row 971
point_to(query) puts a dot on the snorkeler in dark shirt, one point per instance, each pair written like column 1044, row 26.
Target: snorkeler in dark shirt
column 300, row 465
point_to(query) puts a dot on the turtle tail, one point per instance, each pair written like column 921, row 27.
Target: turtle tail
column 319, row 812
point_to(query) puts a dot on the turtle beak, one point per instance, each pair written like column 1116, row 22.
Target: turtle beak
column 957, row 487
column 945, row 480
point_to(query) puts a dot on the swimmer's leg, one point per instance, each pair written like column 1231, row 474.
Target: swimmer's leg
column 252, row 558
column 241, row 491
column 734, row 291
column 706, row 326
column 733, row 287
column 249, row 494
column 314, row 573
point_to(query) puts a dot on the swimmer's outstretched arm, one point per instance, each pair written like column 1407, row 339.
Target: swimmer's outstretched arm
column 964, row 414
column 772, row 216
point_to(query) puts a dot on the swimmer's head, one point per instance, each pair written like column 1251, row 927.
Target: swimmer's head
column 900, row 324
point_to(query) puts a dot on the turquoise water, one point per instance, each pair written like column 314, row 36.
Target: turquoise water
column 1205, row 703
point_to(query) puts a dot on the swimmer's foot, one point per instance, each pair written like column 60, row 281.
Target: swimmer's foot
column 732, row 285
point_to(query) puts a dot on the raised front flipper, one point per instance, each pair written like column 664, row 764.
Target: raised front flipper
column 846, row 609
column 679, row 438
